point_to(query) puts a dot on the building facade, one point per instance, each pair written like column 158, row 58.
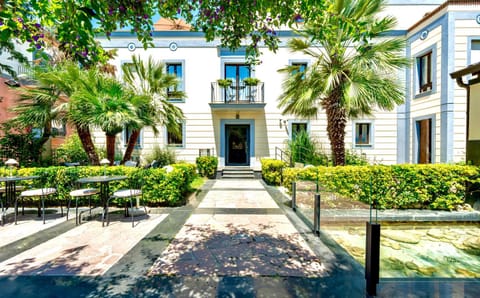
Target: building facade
column 241, row 123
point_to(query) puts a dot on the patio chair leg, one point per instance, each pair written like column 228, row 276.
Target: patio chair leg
column 15, row 210
column 77, row 220
column 131, row 211
column 68, row 206
column 43, row 209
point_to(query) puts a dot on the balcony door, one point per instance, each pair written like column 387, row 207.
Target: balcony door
column 237, row 73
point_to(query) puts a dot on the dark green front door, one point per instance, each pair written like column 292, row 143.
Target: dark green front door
column 237, row 140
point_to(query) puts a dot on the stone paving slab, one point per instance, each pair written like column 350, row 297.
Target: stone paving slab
column 238, row 244
column 237, row 250
column 87, row 249
column 27, row 225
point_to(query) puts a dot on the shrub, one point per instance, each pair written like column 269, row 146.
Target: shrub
column 272, row 171
column 305, row 150
column 399, row 186
column 207, row 166
column 161, row 188
column 162, row 156
column 354, row 159
column 71, row 151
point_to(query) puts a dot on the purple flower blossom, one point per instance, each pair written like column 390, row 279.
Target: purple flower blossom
column 1, row 23
column 122, row 8
column 35, row 37
column 38, row 25
column 146, row 16
column 20, row 20
column 38, row 46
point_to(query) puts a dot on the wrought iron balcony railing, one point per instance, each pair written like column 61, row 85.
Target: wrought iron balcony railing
column 237, row 94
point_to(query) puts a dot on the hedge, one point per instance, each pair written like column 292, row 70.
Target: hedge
column 438, row 186
column 161, row 187
column 207, row 166
column 272, row 170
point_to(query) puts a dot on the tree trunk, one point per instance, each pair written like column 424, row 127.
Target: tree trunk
column 111, row 148
column 87, row 144
column 132, row 141
column 336, row 123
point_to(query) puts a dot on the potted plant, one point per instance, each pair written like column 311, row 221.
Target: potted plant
column 224, row 82
column 251, row 81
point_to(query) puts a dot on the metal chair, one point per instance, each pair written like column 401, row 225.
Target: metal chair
column 4, row 206
column 133, row 192
column 80, row 193
column 131, row 163
column 43, row 193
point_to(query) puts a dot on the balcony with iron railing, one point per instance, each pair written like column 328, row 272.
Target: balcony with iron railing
column 242, row 94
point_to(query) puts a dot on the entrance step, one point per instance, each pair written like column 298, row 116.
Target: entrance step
column 238, row 173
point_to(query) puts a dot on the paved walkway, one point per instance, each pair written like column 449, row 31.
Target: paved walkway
column 236, row 238
column 238, row 230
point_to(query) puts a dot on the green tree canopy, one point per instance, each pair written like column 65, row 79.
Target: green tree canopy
column 74, row 24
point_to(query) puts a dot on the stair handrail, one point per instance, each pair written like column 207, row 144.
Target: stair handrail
column 284, row 156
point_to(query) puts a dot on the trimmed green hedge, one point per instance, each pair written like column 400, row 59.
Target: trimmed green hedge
column 160, row 186
column 207, row 166
column 272, row 170
column 438, row 186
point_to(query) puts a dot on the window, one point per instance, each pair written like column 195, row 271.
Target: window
column 175, row 139
column 300, row 67
column 59, row 129
column 298, row 127
column 175, row 69
column 363, row 134
column 127, row 132
column 424, row 65
column 475, row 52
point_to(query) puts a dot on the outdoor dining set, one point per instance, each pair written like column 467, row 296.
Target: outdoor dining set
column 11, row 194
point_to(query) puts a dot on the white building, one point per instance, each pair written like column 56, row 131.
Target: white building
column 242, row 124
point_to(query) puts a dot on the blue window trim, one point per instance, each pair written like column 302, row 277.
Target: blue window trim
column 182, row 81
column 371, row 133
column 469, row 48
column 433, row 71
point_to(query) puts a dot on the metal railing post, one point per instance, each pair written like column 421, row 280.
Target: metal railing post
column 294, row 196
column 316, row 215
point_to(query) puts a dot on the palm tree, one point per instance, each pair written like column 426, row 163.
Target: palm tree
column 48, row 101
column 148, row 78
column 103, row 101
column 354, row 69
